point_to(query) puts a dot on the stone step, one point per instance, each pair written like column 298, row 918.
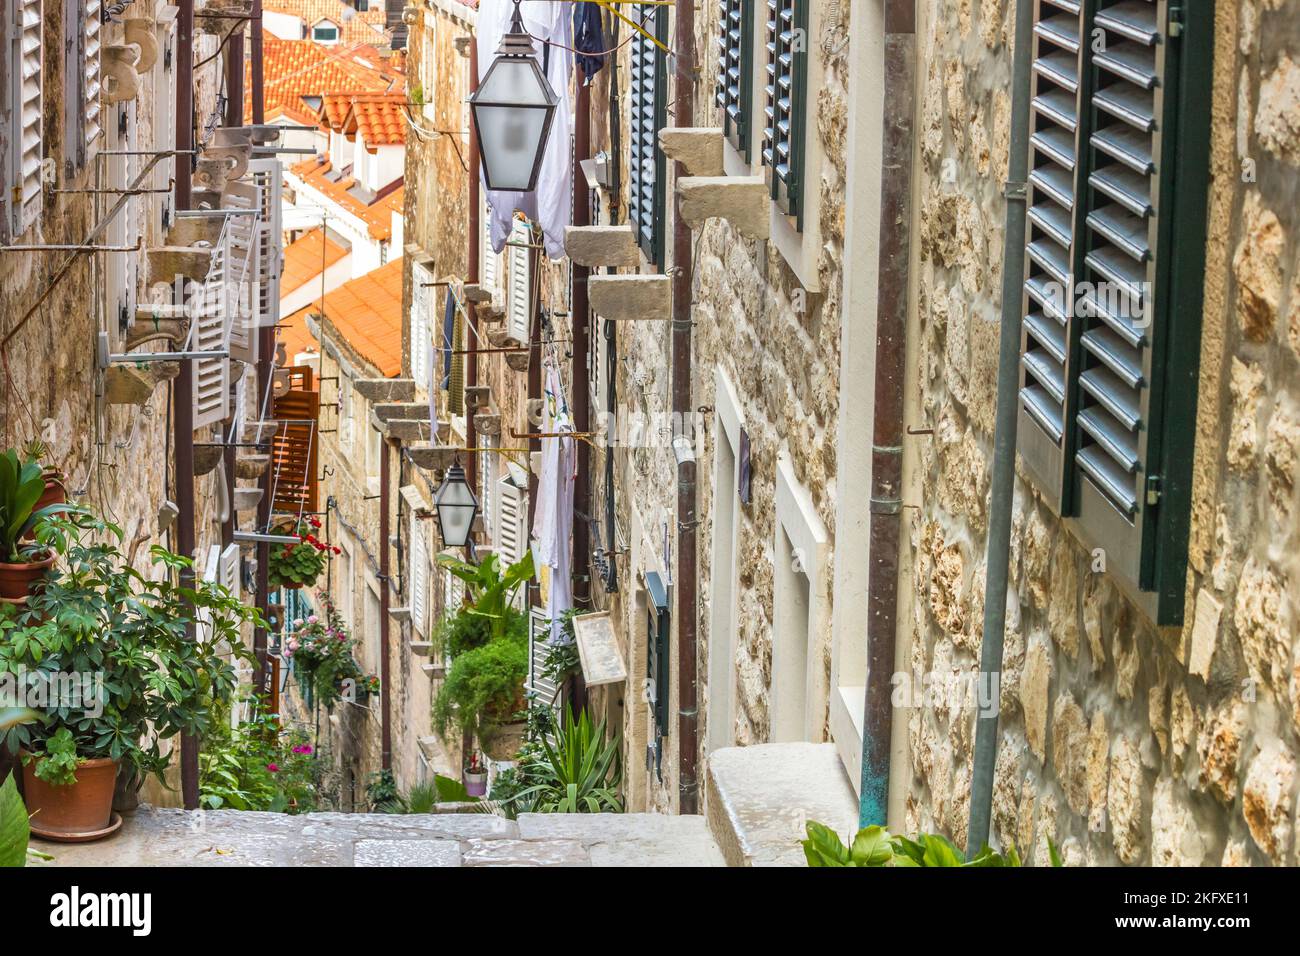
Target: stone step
column 386, row 389
column 759, row 798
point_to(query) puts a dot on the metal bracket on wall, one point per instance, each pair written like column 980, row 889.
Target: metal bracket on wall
column 107, row 358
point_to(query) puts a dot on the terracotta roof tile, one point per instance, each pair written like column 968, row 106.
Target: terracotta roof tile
column 306, row 258
column 380, row 120
column 293, row 69
column 355, row 26
column 367, row 314
column 377, row 215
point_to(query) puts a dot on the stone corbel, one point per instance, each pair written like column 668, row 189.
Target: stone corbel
column 517, row 361
column 167, row 262
column 212, row 172
column 385, row 389
column 121, row 81
column 630, row 296
column 143, row 32
column 596, row 246
column 487, row 423
column 478, row 396
column 697, row 148
column 433, row 457
column 741, row 200
column 134, row 385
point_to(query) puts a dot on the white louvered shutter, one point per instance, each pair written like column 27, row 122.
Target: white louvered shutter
column 419, row 576
column 164, row 120
column 242, row 270
column 489, row 261
column 487, row 470
column 512, row 528
column 544, row 690
column 211, row 333
column 81, row 41
column 211, row 575
column 268, row 177
column 518, row 324
column 421, row 310
column 453, row 593
column 228, row 569
column 26, row 142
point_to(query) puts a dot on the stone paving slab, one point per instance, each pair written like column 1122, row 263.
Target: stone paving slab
column 169, row 837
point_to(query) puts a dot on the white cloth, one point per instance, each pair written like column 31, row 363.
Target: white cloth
column 551, row 203
column 553, row 522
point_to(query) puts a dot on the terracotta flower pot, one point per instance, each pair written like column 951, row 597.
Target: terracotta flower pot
column 21, row 579
column 75, row 812
column 54, row 494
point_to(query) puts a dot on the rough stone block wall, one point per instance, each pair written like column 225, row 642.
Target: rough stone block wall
column 1121, row 742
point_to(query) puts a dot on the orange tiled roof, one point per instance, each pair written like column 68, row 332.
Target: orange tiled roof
column 377, row 215
column 306, row 258
column 293, row 335
column 380, row 119
column 334, row 110
column 293, row 69
column 367, row 314
column 354, row 26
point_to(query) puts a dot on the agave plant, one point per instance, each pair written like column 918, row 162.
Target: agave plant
column 580, row 774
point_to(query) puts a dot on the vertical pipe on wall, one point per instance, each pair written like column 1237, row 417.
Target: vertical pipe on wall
column 580, row 321
column 265, row 364
column 886, row 504
column 385, row 682
column 473, row 273
column 1004, row 440
column 233, row 66
column 183, row 393
column 685, row 579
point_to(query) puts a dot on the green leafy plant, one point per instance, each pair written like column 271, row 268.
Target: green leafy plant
column 484, row 686
column 382, row 793
column 58, row 768
column 490, row 589
column 876, row 846
column 302, row 563
column 580, row 774
column 22, row 482
column 321, row 653
column 141, row 677
column 15, row 828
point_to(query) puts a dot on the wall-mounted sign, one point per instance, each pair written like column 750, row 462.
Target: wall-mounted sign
column 602, row 661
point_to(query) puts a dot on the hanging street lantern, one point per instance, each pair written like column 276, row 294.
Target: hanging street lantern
column 456, row 507
column 513, row 108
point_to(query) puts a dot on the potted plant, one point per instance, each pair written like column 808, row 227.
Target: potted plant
column 122, row 663
column 294, row 565
column 22, row 562
column 367, row 687
column 56, row 492
column 476, row 776
column 581, row 773
column 320, row 650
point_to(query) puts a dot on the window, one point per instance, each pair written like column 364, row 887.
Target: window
column 489, row 270
column 735, row 70
column 658, row 662
column 724, row 583
column 783, row 134
column 800, row 612
column 421, row 335
column 647, row 168
column 372, row 639
column 325, row 32
column 25, row 135
column 1107, row 381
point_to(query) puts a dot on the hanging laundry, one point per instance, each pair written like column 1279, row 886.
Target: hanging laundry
column 588, row 37
column 448, row 336
column 550, row 204
column 553, row 522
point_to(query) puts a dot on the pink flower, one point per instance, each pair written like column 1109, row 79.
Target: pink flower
column 313, row 619
column 273, row 768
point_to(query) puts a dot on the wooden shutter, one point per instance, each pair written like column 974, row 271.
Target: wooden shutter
column 295, row 447
column 734, row 89
column 267, row 176
column 26, row 140
column 211, row 332
column 243, row 270
column 649, row 114
column 783, row 133
column 82, row 127
column 164, row 120
column 487, row 473
column 421, row 312
column 456, row 377
column 520, row 305
column 544, row 690
column 419, row 576
column 1058, row 128
column 489, row 261
column 228, row 569
column 512, row 527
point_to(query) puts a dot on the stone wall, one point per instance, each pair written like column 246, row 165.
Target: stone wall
column 1121, row 742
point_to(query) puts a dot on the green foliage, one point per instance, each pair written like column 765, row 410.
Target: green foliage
column 382, row 793
column 15, row 829
column 301, row 563
column 451, row 790
column 461, row 632
column 580, row 774
column 58, row 767
column 876, row 846
column 257, row 766
column 321, row 652
column 562, row 659
column 490, row 590
column 22, row 482
column 483, row 686
column 144, row 679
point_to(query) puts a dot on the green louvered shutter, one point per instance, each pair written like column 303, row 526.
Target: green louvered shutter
column 647, row 169
column 786, row 107
column 735, row 84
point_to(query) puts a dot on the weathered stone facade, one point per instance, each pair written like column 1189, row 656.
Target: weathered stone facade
column 1120, row 741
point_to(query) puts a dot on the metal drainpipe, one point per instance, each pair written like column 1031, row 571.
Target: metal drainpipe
column 386, row 691
column 233, row 64
column 473, row 273
column 265, row 364
column 182, row 394
column 580, row 320
column 682, row 275
column 1004, row 442
column 891, row 369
